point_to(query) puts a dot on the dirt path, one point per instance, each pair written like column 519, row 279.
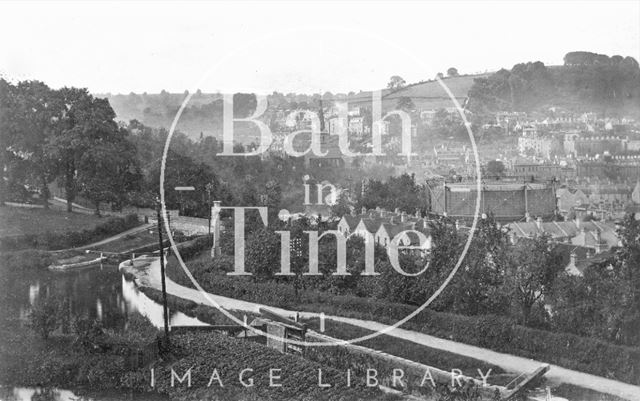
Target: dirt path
column 149, row 275
column 118, row 236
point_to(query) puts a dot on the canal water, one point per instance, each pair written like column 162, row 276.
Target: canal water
column 98, row 292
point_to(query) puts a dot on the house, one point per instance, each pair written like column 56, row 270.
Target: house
column 568, row 198
column 595, row 235
column 388, row 232
column 576, row 259
column 382, row 227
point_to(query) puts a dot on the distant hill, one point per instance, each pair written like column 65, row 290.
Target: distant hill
column 204, row 111
column 430, row 95
column 587, row 82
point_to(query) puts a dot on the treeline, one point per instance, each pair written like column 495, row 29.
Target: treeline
column 70, row 137
column 586, row 82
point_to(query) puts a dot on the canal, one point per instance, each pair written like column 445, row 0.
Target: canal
column 98, row 292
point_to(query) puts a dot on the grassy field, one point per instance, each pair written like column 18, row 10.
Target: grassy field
column 18, row 221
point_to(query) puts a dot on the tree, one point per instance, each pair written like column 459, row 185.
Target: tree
column 342, row 206
column 263, row 253
column 495, row 168
column 452, row 72
column 532, row 270
column 6, row 105
column 476, row 289
column 396, row 82
column 405, row 103
column 76, row 132
column 108, row 170
column 32, row 120
column 439, row 75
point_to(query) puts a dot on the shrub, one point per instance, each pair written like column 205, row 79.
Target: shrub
column 87, row 332
column 493, row 331
column 43, row 318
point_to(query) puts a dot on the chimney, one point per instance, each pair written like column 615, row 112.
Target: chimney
column 457, row 225
column 527, row 217
column 577, row 221
column 573, row 259
column 539, row 223
column 425, row 224
column 397, row 211
column 403, row 217
column 363, row 210
column 353, row 211
column 418, row 214
column 512, row 237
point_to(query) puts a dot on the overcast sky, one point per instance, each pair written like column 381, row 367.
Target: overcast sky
column 120, row 47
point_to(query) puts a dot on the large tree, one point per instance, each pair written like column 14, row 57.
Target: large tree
column 396, row 82
column 476, row 288
column 35, row 112
column 532, row 270
column 71, row 139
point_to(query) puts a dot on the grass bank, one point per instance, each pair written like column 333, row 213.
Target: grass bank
column 46, row 238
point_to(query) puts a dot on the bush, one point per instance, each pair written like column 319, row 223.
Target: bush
column 87, row 332
column 493, row 331
column 193, row 247
column 43, row 318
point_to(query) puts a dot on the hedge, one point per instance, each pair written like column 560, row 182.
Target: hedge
column 501, row 334
column 53, row 241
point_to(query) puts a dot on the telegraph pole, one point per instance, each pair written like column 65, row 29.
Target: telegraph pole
column 209, row 187
column 165, row 310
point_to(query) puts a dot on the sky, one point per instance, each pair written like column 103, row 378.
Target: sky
column 304, row 47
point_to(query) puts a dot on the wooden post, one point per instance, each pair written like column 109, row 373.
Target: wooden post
column 164, row 284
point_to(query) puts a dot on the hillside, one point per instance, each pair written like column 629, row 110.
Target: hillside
column 204, row 112
column 586, row 82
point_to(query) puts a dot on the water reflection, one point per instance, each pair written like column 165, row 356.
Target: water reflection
column 55, row 394
column 135, row 299
column 100, row 293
